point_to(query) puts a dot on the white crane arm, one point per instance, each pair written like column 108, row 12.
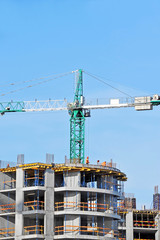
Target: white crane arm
column 139, row 103
column 47, row 105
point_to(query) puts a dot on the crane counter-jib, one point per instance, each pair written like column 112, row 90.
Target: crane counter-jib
column 12, row 106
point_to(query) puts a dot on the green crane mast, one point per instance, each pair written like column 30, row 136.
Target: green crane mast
column 77, row 123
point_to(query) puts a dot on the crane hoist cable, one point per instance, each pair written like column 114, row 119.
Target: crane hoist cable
column 31, row 80
column 36, row 84
column 27, row 81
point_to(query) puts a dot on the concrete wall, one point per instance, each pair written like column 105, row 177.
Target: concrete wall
column 72, row 179
column 5, row 180
column 73, row 198
column 72, row 220
column 7, row 198
column 7, row 222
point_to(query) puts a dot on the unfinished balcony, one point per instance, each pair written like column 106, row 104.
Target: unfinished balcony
column 33, row 200
column 99, row 203
column 33, row 226
column 34, row 177
column 86, row 228
column 101, row 181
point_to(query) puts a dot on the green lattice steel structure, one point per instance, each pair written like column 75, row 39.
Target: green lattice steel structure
column 77, row 123
column 11, row 107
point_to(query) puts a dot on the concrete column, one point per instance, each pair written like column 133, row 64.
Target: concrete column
column 72, row 180
column 19, row 204
column 157, row 234
column 74, row 201
column 129, row 226
column 49, row 205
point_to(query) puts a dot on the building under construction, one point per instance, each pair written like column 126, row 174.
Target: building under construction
column 64, row 201
column 156, row 199
column 139, row 224
column 129, row 201
column 60, row 201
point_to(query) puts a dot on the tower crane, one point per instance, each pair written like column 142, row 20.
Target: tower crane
column 78, row 111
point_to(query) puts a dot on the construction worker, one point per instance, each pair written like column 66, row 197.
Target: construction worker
column 87, row 160
column 104, row 163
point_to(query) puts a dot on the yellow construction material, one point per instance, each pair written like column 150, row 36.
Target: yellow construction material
column 5, row 231
column 62, row 167
column 7, row 207
column 33, row 205
column 36, row 229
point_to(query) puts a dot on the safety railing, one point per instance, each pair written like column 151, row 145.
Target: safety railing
column 9, row 184
column 145, row 224
column 37, row 229
column 84, row 206
column 116, row 186
column 5, row 208
column 34, row 181
column 86, row 230
column 33, row 205
column 7, row 232
column 112, row 186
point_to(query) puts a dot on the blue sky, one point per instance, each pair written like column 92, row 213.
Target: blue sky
column 118, row 40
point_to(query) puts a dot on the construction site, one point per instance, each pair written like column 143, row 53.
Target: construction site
column 79, row 120
column 75, row 198
column 139, row 224
column 60, row 201
column 67, row 201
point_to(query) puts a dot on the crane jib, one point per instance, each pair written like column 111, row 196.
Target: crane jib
column 12, row 107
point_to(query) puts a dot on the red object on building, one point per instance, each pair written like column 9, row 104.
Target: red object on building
column 87, row 160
